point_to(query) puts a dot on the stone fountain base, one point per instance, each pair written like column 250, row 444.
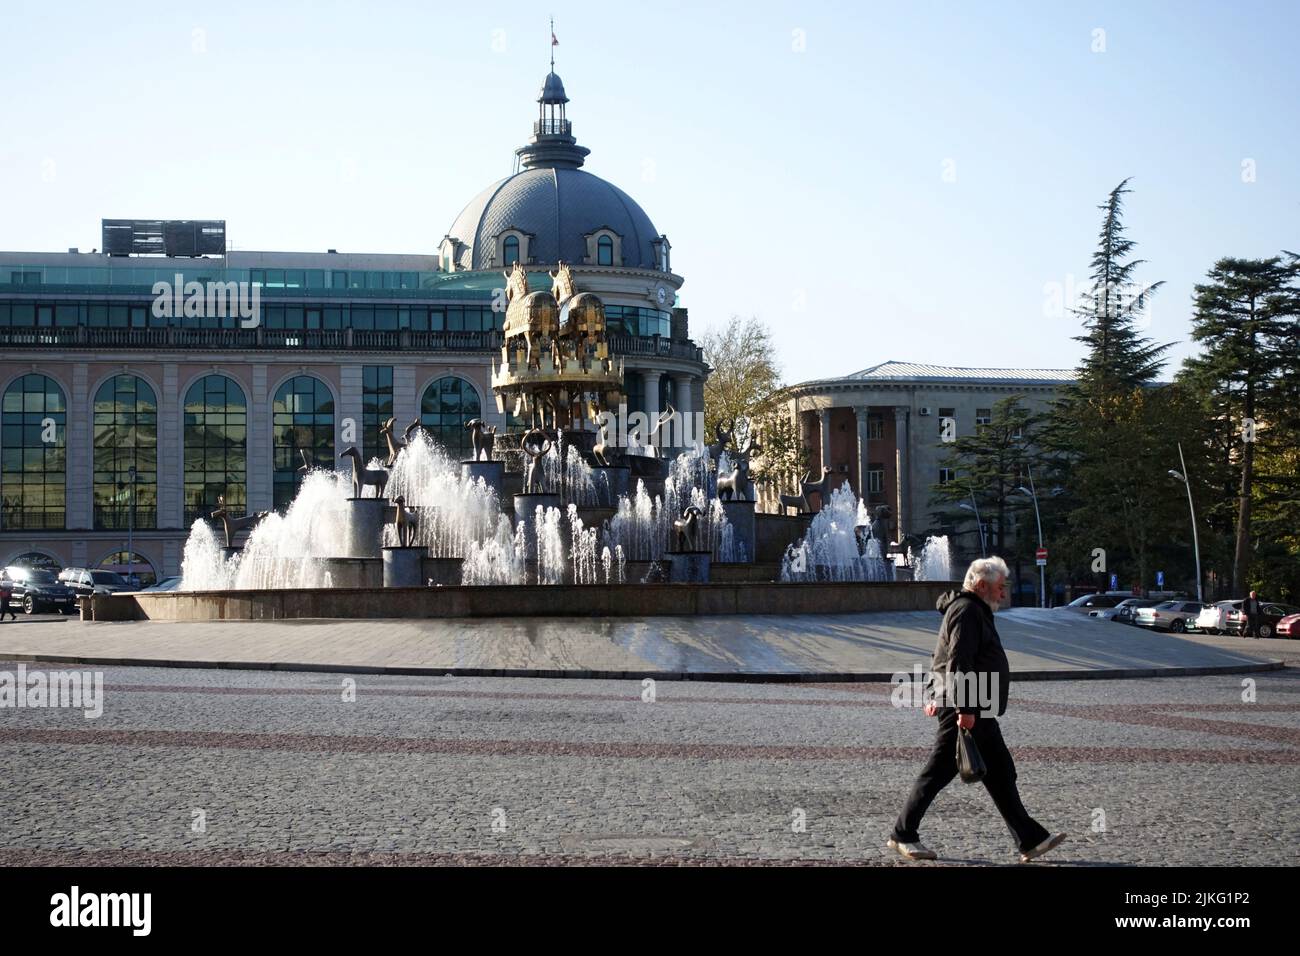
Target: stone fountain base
column 355, row 572
column 403, row 567
column 688, row 567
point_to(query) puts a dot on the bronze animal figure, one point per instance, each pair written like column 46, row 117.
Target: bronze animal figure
column 405, row 521
column 723, row 436
column 363, row 477
column 806, row 487
column 533, row 469
column 687, row 529
column 533, row 316
column 234, row 525
column 735, row 482
column 395, row 445
column 483, row 437
column 664, row 419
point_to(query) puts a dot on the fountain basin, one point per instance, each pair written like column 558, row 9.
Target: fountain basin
column 590, row 600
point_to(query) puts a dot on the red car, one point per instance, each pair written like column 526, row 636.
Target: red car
column 1289, row 626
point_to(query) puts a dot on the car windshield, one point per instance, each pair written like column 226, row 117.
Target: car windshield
column 41, row 577
column 1080, row 602
column 108, row 577
column 1166, row 605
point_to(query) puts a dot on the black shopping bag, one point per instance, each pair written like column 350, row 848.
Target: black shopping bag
column 969, row 762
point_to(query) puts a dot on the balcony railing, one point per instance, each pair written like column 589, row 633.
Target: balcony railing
column 309, row 340
column 553, row 128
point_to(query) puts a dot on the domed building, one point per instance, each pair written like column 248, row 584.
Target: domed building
column 552, row 210
column 161, row 409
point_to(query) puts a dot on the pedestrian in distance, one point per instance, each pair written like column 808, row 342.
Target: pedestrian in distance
column 969, row 654
column 1251, row 610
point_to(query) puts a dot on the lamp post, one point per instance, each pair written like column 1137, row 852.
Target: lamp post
column 130, row 520
column 1196, row 543
column 984, row 551
column 1042, row 570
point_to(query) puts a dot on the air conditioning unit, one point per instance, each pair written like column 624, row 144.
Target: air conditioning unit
column 924, row 410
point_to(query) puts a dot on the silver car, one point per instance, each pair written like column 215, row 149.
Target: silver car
column 1175, row 616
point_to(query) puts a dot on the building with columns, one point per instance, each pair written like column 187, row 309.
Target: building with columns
column 119, row 423
column 880, row 430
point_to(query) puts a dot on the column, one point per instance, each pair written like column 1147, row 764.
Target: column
column 350, row 388
column 863, row 438
column 258, row 493
column 650, row 385
column 824, row 415
column 902, row 469
column 77, row 447
column 687, row 434
column 171, row 464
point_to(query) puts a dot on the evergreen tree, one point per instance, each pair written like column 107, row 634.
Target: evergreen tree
column 1242, row 322
column 1107, row 434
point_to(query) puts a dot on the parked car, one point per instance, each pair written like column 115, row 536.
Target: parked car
column 1270, row 615
column 1213, row 618
column 166, row 584
column 38, row 589
column 1088, row 602
column 1123, row 611
column 1127, row 613
column 1289, row 626
column 1175, row 616
column 85, row 581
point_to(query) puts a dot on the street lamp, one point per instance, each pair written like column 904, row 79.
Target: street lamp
column 984, row 551
column 1196, row 544
column 1042, row 570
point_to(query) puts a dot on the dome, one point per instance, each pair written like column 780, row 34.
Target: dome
column 557, row 208
column 552, row 90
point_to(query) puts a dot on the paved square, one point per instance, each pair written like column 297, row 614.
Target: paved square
column 279, row 767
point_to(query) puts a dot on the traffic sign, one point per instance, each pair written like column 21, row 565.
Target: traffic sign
column 1160, row 579
column 1041, row 557
column 1114, row 582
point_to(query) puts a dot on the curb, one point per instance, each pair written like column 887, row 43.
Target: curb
column 865, row 677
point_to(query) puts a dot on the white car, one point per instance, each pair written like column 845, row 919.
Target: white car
column 1175, row 616
column 1213, row 618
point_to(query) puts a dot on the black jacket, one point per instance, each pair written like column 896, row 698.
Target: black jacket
column 969, row 644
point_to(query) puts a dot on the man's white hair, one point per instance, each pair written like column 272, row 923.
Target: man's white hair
column 985, row 569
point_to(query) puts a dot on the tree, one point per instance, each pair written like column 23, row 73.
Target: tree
column 1241, row 320
column 1108, row 433
column 745, row 377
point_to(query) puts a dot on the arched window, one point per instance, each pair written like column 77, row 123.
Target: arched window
column 126, row 438
column 302, row 421
column 605, row 251
column 36, row 560
column 510, row 250
column 132, row 565
column 216, row 431
column 33, row 454
column 446, row 406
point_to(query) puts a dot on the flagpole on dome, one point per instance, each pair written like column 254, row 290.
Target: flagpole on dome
column 554, row 44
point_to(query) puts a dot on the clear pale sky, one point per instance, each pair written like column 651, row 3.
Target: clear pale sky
column 806, row 187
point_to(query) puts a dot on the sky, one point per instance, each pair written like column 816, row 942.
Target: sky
column 874, row 181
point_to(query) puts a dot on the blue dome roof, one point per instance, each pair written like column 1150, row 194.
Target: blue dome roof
column 558, row 207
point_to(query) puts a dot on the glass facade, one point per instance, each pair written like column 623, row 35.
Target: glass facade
column 445, row 407
column 33, row 459
column 302, row 423
column 126, row 437
column 133, row 566
column 216, row 436
column 376, row 408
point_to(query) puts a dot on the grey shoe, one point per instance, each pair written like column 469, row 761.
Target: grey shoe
column 911, row 851
column 1051, row 843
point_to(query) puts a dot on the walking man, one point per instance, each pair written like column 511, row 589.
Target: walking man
column 969, row 654
column 1251, row 609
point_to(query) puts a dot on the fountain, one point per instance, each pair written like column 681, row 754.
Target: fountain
column 588, row 515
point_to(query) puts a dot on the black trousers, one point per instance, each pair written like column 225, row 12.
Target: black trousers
column 1000, row 781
